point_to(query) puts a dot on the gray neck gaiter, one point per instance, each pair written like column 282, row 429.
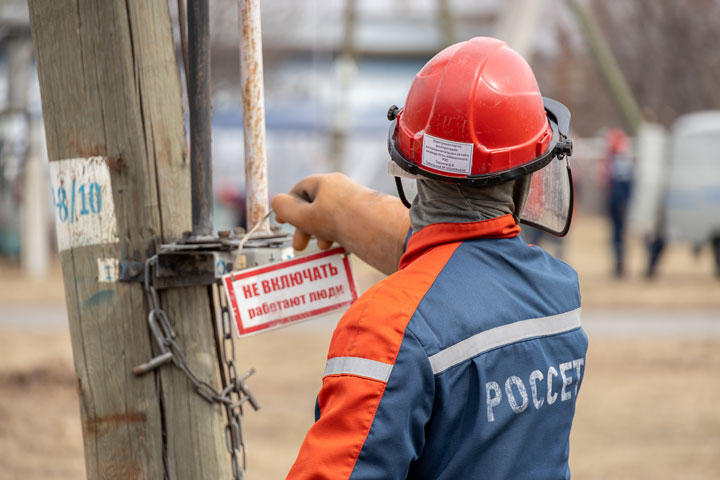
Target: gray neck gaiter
column 441, row 202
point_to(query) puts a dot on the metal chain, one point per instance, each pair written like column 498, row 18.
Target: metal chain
column 236, row 391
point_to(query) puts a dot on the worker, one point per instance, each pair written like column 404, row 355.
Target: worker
column 466, row 361
column 619, row 169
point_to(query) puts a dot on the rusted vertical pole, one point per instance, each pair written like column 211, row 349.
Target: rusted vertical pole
column 200, row 116
column 253, row 96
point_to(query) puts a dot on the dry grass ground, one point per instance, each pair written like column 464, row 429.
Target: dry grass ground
column 40, row 433
column 647, row 410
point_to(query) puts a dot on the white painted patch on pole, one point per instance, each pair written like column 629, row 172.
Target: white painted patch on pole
column 84, row 207
column 108, row 270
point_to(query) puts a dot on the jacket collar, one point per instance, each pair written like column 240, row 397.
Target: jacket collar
column 442, row 233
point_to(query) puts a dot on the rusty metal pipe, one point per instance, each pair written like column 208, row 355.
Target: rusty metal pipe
column 200, row 117
column 253, row 97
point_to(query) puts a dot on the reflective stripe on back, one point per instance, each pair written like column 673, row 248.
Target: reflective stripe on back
column 361, row 367
column 504, row 335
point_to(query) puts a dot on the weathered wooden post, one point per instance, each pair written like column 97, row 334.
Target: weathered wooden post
column 111, row 101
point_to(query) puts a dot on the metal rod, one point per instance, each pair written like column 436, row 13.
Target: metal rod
column 154, row 363
column 200, row 117
column 253, row 97
column 182, row 20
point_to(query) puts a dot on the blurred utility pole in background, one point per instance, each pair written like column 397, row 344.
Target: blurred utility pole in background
column 35, row 248
column 22, row 172
column 346, row 71
column 516, row 24
column 116, row 142
column 445, row 17
column 614, row 77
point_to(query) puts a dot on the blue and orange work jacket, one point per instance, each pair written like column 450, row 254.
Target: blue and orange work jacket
column 465, row 364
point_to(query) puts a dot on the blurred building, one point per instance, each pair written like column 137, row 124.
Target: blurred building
column 332, row 69
column 25, row 229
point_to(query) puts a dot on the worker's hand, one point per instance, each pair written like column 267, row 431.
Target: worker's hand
column 332, row 207
column 314, row 207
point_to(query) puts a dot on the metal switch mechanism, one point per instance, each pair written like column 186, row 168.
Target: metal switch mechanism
column 193, row 262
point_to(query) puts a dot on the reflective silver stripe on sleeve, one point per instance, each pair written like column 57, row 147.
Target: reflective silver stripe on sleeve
column 361, row 367
column 504, row 335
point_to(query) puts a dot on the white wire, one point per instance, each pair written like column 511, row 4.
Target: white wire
column 253, row 230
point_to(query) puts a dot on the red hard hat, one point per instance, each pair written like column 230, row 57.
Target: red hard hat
column 474, row 114
column 618, row 140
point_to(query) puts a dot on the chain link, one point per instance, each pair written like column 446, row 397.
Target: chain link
column 235, row 391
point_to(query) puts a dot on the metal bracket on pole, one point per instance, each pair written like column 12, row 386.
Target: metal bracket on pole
column 196, row 262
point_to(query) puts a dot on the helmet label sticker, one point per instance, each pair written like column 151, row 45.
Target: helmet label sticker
column 446, row 155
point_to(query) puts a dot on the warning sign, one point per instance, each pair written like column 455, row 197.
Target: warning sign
column 446, row 155
column 268, row 297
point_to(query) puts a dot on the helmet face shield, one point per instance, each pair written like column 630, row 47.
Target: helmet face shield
column 549, row 206
column 549, row 203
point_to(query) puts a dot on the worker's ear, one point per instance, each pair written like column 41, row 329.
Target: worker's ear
column 521, row 189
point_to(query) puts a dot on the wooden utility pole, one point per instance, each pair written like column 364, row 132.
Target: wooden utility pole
column 110, row 88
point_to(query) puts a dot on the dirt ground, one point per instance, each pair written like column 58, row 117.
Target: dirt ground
column 647, row 410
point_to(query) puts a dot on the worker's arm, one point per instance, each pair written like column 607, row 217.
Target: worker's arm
column 332, row 207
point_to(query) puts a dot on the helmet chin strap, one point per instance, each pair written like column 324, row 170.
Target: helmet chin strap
column 521, row 190
column 401, row 192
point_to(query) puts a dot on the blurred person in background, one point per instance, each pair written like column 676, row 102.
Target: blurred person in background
column 715, row 241
column 655, row 246
column 234, row 200
column 619, row 168
column 714, row 244
column 467, row 360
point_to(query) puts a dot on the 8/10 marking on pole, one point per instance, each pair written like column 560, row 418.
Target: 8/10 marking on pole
column 83, row 197
column 90, row 195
